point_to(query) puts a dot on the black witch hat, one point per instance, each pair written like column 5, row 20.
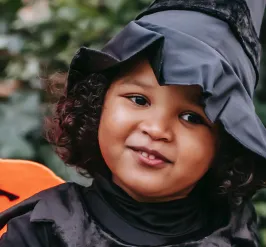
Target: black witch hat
column 210, row 43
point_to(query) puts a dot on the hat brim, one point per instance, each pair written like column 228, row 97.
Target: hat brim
column 87, row 61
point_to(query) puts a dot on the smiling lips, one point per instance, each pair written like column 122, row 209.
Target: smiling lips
column 150, row 157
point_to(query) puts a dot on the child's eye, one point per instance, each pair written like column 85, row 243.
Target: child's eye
column 139, row 100
column 193, row 118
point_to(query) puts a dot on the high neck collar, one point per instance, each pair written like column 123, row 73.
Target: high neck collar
column 177, row 220
column 177, row 217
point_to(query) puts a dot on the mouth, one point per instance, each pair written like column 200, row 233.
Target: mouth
column 150, row 157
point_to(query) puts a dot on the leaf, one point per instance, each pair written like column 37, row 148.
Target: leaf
column 261, row 208
column 114, row 5
column 19, row 117
column 263, row 237
column 67, row 13
column 4, row 39
column 261, row 110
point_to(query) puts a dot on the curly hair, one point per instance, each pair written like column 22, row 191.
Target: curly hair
column 237, row 173
column 72, row 129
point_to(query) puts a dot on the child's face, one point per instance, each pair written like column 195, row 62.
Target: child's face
column 140, row 117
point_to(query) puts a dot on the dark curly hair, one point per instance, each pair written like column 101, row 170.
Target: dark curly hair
column 72, row 129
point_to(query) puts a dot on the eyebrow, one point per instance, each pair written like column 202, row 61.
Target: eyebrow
column 132, row 81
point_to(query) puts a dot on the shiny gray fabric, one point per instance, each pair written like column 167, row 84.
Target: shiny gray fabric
column 189, row 48
column 235, row 13
column 257, row 11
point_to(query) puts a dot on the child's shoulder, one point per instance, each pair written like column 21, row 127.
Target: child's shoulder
column 46, row 204
column 50, row 206
column 54, row 206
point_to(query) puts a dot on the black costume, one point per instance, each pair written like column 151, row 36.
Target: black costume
column 71, row 215
column 210, row 43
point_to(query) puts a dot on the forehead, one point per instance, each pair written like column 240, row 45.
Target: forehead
column 139, row 73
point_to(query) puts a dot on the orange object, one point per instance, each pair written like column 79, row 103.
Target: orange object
column 20, row 179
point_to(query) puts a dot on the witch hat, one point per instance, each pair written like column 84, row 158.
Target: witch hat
column 210, row 43
column 256, row 9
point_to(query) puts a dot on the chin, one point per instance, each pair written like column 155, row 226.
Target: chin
column 141, row 187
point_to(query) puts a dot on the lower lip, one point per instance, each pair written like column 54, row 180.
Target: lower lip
column 156, row 163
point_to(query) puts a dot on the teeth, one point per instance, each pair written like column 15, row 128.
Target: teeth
column 144, row 154
column 149, row 156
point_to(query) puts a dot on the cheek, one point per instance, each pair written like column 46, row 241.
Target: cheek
column 196, row 151
column 115, row 126
column 115, row 122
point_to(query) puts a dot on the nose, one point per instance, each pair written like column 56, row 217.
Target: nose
column 157, row 128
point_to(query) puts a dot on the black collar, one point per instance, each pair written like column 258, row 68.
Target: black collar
column 152, row 223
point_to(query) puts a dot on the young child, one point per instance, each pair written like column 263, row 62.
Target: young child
column 163, row 119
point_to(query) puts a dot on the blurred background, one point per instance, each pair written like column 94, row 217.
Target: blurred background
column 38, row 38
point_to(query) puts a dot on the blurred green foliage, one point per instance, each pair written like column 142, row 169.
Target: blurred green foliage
column 38, row 38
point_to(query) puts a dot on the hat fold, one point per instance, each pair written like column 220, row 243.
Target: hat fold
column 236, row 13
column 117, row 51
